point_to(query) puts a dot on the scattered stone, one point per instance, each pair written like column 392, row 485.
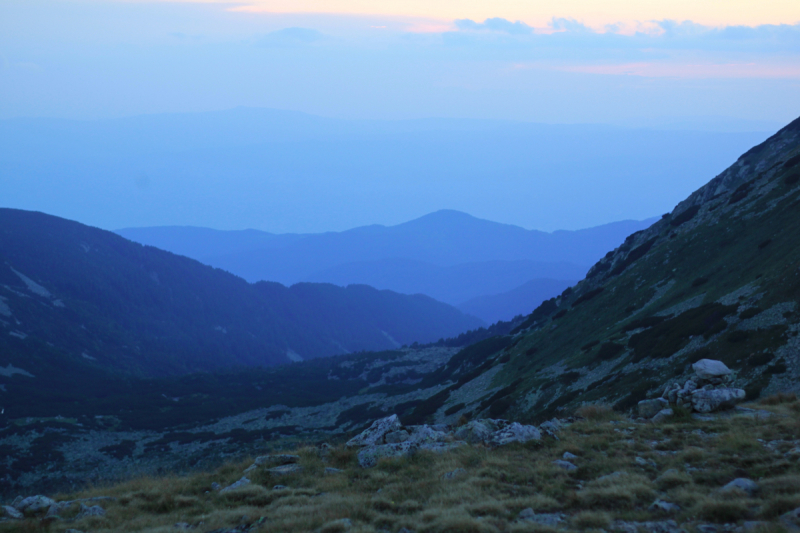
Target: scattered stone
column 708, row 401
column 552, row 427
column 375, row 434
column 279, row 487
column 545, row 519
column 12, row 513
column 216, row 486
column 239, row 484
column 752, row 525
column 285, row 470
column 665, row 526
column 183, row 525
column 649, row 408
column 748, row 486
column 330, row 470
column 454, row 474
column 566, row 465
column 569, row 456
column 662, row 416
column 368, row 457
column 707, row 528
column 710, row 368
column 664, row 507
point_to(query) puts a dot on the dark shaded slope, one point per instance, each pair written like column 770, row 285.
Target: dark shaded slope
column 89, row 298
column 716, row 278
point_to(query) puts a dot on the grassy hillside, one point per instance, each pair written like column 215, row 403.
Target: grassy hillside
column 717, row 278
column 621, row 470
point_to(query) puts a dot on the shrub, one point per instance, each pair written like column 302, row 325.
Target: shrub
column 738, row 336
column 588, row 295
column 609, row 350
column 750, row 312
column 699, row 281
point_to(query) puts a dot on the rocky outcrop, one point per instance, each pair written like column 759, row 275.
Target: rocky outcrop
column 387, row 437
column 707, row 391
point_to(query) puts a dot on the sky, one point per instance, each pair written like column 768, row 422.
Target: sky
column 617, row 61
column 729, row 66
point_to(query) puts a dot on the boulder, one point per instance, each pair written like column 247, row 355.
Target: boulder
column 514, row 432
column 662, row 416
column 748, row 486
column 376, row 432
column 12, row 513
column 239, row 484
column 544, row 519
column 569, row 456
column 566, row 465
column 368, row 457
column 791, row 520
column 33, row 505
column 649, row 408
column 424, row 435
column 664, row 507
column 329, row 470
column 710, row 368
column 708, row 401
column 479, row 431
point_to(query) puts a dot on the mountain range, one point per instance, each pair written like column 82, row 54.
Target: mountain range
column 73, row 295
column 448, row 255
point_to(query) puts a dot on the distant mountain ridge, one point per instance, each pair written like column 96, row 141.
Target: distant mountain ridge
column 448, row 255
column 75, row 296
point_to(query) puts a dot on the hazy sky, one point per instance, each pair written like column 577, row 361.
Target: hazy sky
column 616, row 61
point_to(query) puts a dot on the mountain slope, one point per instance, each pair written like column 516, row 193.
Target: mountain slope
column 74, row 297
column 718, row 278
column 517, row 301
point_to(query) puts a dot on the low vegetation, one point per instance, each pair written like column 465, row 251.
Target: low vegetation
column 623, row 467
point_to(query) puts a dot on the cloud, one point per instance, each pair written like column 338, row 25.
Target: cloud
column 290, row 37
column 569, row 25
column 495, row 24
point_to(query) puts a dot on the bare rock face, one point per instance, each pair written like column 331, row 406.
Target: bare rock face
column 708, row 401
column 707, row 369
column 376, row 432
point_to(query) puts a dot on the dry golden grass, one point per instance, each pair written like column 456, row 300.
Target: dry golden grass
column 684, row 462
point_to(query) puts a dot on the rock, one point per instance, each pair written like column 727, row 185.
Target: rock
column 216, row 486
column 710, row 368
column 551, row 427
column 752, row 525
column 662, row 416
column 748, row 486
column 329, row 470
column 479, row 431
column 791, row 520
column 514, row 432
column 664, row 507
column 649, row 408
column 376, row 432
column 94, row 510
column 33, row 505
column 424, row 434
column 395, row 437
column 690, row 385
column 708, row 401
column 439, row 447
column 285, row 470
column 279, row 487
column 566, row 465
column 368, row 457
column 12, row 513
column 454, row 474
column 526, row 514
column 569, row 456
column 239, row 484
column 405, row 530
column 182, row 525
